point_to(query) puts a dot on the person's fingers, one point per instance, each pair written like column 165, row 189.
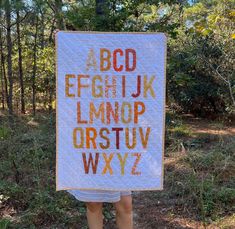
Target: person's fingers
column 55, row 32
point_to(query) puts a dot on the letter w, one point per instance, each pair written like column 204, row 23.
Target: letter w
column 91, row 162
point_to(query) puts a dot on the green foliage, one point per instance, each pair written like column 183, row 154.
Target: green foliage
column 216, row 168
column 201, row 64
column 4, row 132
column 191, row 86
column 28, row 184
column 4, row 223
column 181, row 131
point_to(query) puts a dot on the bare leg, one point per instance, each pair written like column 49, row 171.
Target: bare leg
column 94, row 215
column 124, row 215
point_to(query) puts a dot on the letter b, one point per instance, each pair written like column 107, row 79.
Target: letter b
column 105, row 56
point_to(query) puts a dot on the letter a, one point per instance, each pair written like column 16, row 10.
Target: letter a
column 91, row 61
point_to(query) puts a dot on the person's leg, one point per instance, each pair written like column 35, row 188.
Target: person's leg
column 124, row 215
column 94, row 215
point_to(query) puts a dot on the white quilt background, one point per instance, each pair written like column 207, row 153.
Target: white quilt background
column 72, row 52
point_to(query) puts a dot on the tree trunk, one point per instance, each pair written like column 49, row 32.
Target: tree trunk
column 100, row 8
column 9, row 57
column 58, row 13
column 34, row 68
column 20, row 63
column 3, row 73
column 42, row 26
column 2, row 88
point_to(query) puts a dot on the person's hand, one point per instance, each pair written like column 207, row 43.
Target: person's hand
column 55, row 32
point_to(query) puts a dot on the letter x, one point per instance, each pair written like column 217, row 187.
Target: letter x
column 107, row 165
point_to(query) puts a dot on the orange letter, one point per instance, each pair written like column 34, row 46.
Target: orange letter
column 105, row 59
column 133, row 170
column 129, row 114
column 97, row 113
column 102, row 146
column 80, row 85
column 91, row 138
column 75, row 137
column 145, row 139
column 79, row 121
column 133, row 134
column 68, row 85
column 137, row 112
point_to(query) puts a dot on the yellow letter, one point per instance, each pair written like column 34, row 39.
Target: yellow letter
column 122, row 162
column 148, row 86
column 107, row 165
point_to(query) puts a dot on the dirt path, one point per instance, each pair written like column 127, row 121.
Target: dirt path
column 153, row 213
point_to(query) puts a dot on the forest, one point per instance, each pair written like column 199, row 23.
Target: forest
column 199, row 160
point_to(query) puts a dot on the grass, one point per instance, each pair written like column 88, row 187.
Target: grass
column 213, row 183
column 4, row 223
column 27, row 174
column 200, row 177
